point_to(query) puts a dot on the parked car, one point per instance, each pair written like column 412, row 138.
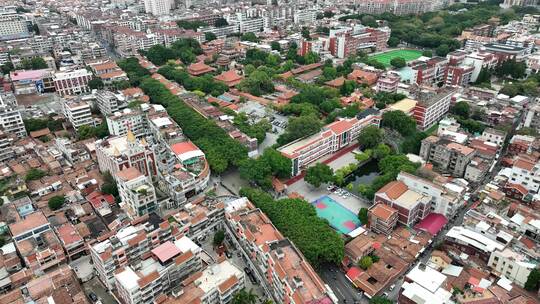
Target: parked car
column 93, row 297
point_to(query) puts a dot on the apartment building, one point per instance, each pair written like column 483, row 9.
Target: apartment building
column 460, row 75
column 382, row 219
column 72, row 82
column 330, row 139
column 10, row 116
column 512, row 265
column 72, row 152
column 429, row 72
column 348, row 40
column 304, row 16
column 120, row 122
column 136, row 191
column 411, row 205
column 126, row 246
column 494, row 136
column 36, row 243
column 524, row 172
column 199, row 216
column 289, row 276
column 120, row 152
column 216, row 284
column 399, row 7
column 159, row 274
column 431, row 107
column 182, row 166
column 388, row 83
column 6, row 146
column 445, row 198
column 158, row 7
column 447, row 156
column 71, row 241
column 78, row 113
column 109, row 102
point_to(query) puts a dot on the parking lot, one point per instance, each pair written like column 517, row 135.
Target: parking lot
column 95, row 286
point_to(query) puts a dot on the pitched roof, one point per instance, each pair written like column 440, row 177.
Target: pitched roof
column 394, row 189
column 383, row 211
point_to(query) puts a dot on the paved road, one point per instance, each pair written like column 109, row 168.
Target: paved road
column 95, row 286
column 340, row 285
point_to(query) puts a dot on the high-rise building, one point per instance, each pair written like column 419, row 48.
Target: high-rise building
column 127, row 245
column 10, row 117
column 136, row 191
column 158, row 7
column 78, row 113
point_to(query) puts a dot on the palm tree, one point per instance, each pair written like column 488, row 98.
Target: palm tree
column 244, row 297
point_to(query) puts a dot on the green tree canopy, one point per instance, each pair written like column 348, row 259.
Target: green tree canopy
column 461, row 108
column 299, row 127
column 365, row 262
column 398, row 62
column 533, row 280
column 34, row 174
column 209, row 36
column 370, row 137
column 298, row 220
column 399, row 121
column 96, row 83
column 249, row 36
column 244, row 297
column 219, row 237
column 318, row 174
column 363, row 216
column 56, row 202
column 275, row 46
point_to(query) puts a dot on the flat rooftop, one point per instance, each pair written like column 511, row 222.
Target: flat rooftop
column 409, row 199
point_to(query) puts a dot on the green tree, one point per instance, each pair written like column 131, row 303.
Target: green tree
column 209, row 36
column 393, row 41
column 7, row 67
column 363, row 216
column 109, row 185
column 368, row 20
column 96, row 83
column 399, row 121
column 370, row 137
column 427, row 53
column 221, row 22
column 365, row 262
column 34, row 174
column 305, row 33
column 299, row 127
column 398, row 62
column 442, row 50
column 379, row 300
column 381, row 151
column 249, row 36
column 56, row 202
column 244, row 297
column 311, row 57
column 275, row 46
column 318, row 174
column 347, row 88
column 462, row 109
column 298, row 221
column 190, row 25
column 219, row 237
column 483, row 77
column 533, row 280
column 257, row 83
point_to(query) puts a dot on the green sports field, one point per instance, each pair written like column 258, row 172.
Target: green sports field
column 408, row 55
